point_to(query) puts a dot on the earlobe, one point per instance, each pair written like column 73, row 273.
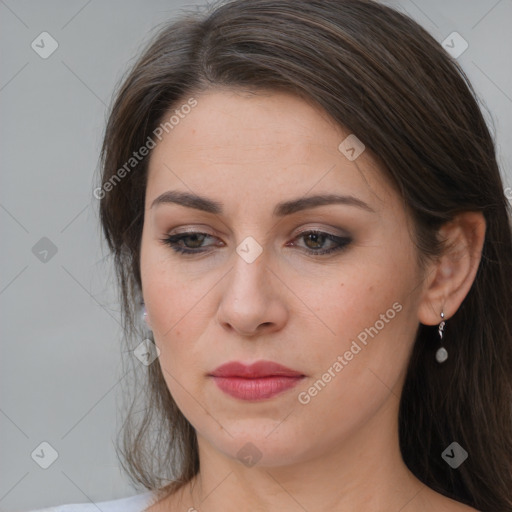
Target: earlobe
column 451, row 276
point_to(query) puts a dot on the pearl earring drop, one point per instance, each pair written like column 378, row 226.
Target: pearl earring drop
column 442, row 353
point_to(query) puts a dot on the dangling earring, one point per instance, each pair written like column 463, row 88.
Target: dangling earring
column 442, row 353
column 146, row 327
column 146, row 351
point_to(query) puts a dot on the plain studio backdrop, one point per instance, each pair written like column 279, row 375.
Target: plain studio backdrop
column 60, row 374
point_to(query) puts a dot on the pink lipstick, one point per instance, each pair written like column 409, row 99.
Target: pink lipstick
column 259, row 381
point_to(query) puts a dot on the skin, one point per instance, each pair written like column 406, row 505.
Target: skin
column 340, row 451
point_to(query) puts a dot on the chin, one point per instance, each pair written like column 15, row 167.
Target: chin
column 261, row 443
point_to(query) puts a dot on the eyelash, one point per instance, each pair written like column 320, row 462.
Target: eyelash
column 342, row 242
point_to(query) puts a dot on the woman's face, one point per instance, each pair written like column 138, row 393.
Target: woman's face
column 258, row 287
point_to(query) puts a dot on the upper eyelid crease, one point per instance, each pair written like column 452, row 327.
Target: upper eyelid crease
column 197, row 202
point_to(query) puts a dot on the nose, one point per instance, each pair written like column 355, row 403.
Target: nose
column 253, row 301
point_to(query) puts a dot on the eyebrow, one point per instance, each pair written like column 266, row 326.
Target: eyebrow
column 190, row 200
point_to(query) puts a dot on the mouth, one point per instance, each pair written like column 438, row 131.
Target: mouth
column 259, row 381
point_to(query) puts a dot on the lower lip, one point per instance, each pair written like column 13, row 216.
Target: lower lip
column 256, row 389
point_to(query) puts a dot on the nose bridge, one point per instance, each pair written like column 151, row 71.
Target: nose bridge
column 249, row 278
column 249, row 298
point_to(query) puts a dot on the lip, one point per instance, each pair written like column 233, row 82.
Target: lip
column 256, row 370
column 259, row 381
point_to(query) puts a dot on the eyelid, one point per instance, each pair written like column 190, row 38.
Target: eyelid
column 199, row 228
column 189, row 227
column 330, row 230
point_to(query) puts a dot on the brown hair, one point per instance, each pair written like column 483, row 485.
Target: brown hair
column 382, row 76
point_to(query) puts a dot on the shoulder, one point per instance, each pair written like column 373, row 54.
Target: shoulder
column 137, row 503
column 433, row 501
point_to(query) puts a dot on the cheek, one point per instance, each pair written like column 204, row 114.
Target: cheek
column 175, row 313
column 365, row 315
column 176, row 322
column 180, row 308
column 168, row 293
column 353, row 297
column 356, row 371
column 170, row 303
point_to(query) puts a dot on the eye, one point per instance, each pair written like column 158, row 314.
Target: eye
column 314, row 240
column 191, row 242
column 187, row 243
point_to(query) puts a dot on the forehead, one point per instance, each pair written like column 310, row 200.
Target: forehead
column 257, row 146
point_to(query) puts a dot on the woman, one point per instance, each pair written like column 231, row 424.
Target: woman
column 305, row 197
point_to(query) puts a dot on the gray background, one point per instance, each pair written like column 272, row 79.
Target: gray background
column 60, row 373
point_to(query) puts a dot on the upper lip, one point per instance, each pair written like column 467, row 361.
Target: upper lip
column 253, row 371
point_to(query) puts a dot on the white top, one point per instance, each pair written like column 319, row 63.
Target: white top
column 137, row 503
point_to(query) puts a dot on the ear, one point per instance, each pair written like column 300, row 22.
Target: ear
column 450, row 278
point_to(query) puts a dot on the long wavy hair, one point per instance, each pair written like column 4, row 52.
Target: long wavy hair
column 378, row 73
